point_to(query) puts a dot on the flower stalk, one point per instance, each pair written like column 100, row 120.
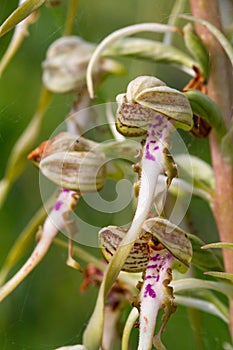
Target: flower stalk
column 220, row 90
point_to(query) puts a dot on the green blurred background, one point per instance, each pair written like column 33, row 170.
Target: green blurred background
column 47, row 310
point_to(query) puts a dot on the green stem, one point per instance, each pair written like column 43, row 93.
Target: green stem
column 70, row 17
column 220, row 90
column 24, row 145
column 178, row 7
column 24, row 240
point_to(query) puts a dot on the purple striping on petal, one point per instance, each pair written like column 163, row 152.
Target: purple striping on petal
column 149, row 291
column 149, row 277
column 157, row 278
column 152, row 266
column 58, row 205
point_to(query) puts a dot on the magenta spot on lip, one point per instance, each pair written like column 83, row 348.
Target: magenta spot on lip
column 65, row 190
column 149, row 156
column 149, row 291
column 149, row 277
column 58, row 205
column 155, row 148
column 157, row 278
column 152, row 266
column 155, row 258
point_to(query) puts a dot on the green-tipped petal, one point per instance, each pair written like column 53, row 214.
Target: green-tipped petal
column 203, row 259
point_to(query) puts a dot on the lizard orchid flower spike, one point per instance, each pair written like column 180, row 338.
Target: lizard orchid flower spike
column 150, row 108
column 160, row 247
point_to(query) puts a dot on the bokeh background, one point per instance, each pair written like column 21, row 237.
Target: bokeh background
column 47, row 310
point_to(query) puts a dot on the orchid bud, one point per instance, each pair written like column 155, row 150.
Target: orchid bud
column 65, row 66
column 63, row 142
column 64, row 69
column 79, row 171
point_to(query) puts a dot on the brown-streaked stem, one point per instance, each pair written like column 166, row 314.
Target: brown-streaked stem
column 220, row 90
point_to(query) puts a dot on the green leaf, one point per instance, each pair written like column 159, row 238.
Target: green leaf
column 217, row 33
column 152, row 50
column 23, row 242
column 18, row 157
column 206, row 108
column 207, row 302
column 203, row 259
column 197, row 283
column 225, row 275
column 197, row 49
column 24, row 10
column 218, row 245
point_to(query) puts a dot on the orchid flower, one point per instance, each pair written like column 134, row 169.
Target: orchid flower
column 161, row 247
column 151, row 108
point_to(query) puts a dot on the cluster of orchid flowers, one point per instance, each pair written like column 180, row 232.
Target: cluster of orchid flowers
column 152, row 247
